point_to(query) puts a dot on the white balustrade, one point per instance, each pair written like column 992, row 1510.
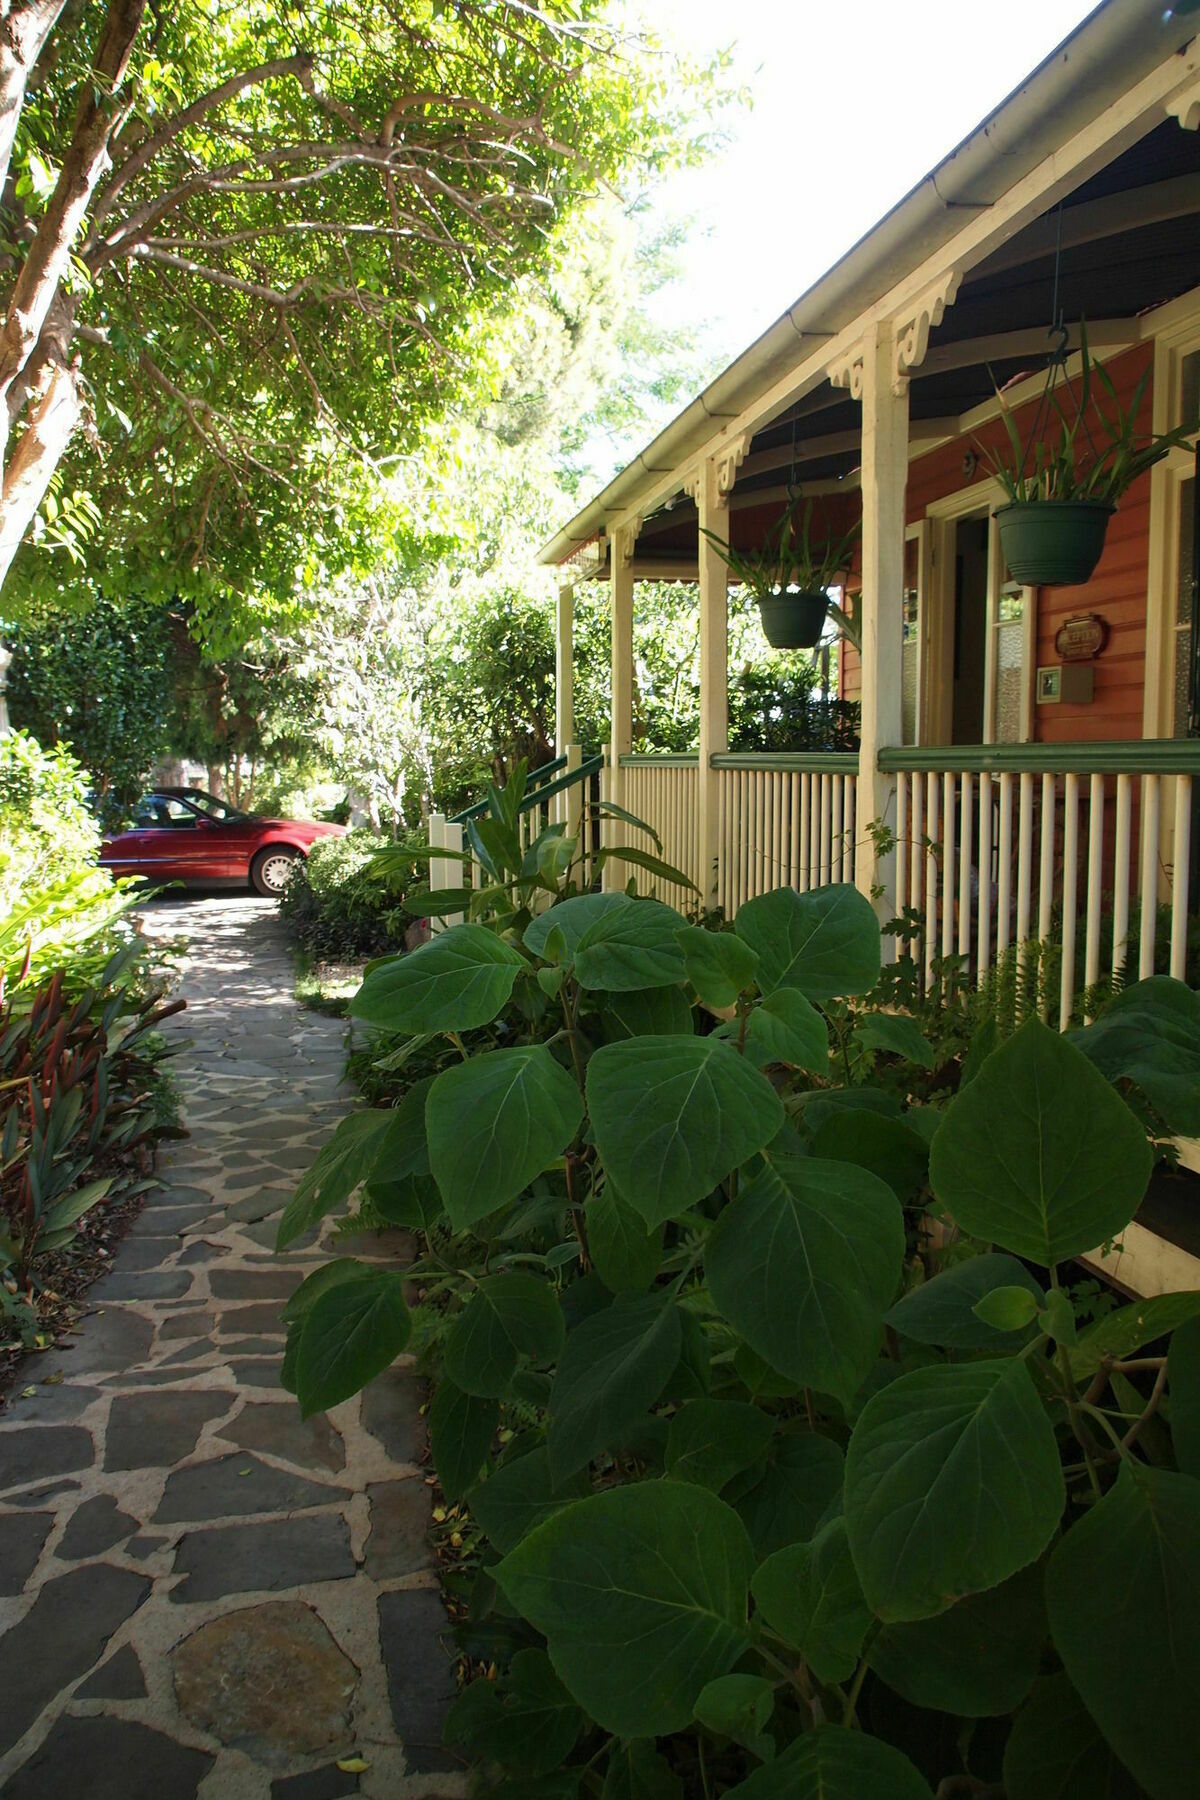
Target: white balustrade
column 1033, row 868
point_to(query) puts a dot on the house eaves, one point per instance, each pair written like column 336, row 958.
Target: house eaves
column 1117, row 45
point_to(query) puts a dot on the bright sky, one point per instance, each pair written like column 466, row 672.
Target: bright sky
column 854, row 101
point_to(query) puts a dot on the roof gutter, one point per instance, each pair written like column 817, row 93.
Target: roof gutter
column 1109, row 52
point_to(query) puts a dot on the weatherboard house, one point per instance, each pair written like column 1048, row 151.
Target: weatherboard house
column 1029, row 749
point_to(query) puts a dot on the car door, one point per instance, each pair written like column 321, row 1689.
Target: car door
column 170, row 843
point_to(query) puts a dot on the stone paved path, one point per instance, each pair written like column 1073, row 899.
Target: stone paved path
column 201, row 1594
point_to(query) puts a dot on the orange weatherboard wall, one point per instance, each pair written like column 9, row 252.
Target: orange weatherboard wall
column 1117, row 590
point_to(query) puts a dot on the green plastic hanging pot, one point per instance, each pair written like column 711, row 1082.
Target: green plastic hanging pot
column 1053, row 543
column 793, row 621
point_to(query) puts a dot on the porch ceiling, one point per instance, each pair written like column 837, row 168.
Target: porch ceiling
column 1130, row 242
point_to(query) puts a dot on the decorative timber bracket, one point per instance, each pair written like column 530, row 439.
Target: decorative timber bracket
column 1185, row 105
column 914, row 325
column 623, row 539
column 710, row 481
column 846, row 370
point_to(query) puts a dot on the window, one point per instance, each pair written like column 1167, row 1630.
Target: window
column 1183, row 620
column 161, row 813
column 910, row 671
column 1012, row 673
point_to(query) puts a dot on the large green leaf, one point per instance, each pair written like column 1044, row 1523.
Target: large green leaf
column 507, row 1317
column 413, row 1201
column 1124, row 1332
column 1123, row 1592
column 672, row 1116
column 461, row 1428
column 631, row 946
column 626, row 1256
column 804, row 1263
column 571, row 918
column 519, row 1495
column 953, row 1483
column 459, row 979
column 494, row 1122
column 636, row 1771
column 791, row 1496
column 809, row 1594
column 641, row 1595
column 825, row 943
column 710, row 1441
column 648, row 1012
column 1039, row 1154
column 738, row 1707
column 1150, row 1034
column 1183, row 1383
column 897, row 1034
column 351, row 1332
column 1055, row 1752
column 525, row 1721
column 835, row 1764
column 889, row 1148
column 719, row 965
column 979, row 1659
column 612, row 1370
column 341, row 1165
column 942, row 1312
column 785, row 1028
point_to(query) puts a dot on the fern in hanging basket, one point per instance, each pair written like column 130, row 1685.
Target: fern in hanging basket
column 1062, row 486
column 789, row 574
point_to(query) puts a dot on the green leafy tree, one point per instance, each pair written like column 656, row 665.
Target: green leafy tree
column 99, row 684
column 255, row 248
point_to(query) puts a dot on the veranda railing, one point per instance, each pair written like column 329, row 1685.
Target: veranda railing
column 1073, row 860
column 1083, row 850
column 560, row 792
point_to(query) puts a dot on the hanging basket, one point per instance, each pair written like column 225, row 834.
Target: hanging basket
column 793, row 621
column 1053, row 543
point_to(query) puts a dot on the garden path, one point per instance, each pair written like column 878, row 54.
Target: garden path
column 200, row 1593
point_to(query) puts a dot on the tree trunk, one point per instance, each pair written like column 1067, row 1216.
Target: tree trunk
column 39, row 377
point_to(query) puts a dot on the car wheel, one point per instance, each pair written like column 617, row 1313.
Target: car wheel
column 270, row 869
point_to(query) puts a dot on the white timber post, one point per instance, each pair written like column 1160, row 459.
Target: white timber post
column 876, row 371
column 564, row 670
column 709, row 487
column 437, row 866
column 620, row 577
column 872, row 372
column 5, row 661
column 564, row 686
column 455, row 871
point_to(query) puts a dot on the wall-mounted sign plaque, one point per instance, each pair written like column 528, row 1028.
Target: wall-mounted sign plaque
column 1081, row 638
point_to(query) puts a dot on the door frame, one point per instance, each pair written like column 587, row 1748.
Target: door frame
column 944, row 515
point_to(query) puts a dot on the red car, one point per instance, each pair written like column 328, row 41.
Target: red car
column 184, row 834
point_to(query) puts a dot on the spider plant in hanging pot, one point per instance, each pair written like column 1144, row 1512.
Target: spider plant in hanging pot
column 1063, row 486
column 789, row 576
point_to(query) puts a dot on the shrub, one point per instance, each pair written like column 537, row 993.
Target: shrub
column 766, row 1493
column 46, row 830
column 339, row 906
column 57, row 907
column 80, row 1110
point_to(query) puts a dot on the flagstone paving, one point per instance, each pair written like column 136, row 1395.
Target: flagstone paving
column 201, row 1593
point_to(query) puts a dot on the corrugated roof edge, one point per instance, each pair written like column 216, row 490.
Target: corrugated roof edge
column 1107, row 53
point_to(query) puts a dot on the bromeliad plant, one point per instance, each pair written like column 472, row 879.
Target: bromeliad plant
column 769, row 1496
